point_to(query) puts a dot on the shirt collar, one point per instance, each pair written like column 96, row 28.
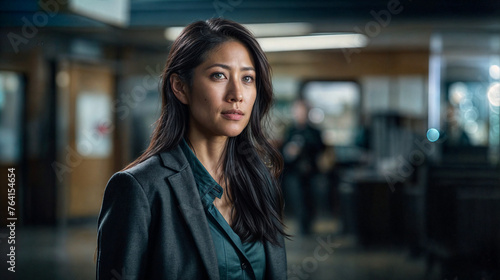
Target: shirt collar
column 207, row 186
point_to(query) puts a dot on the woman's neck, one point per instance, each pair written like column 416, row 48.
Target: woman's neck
column 209, row 151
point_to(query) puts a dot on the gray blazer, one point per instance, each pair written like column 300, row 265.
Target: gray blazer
column 152, row 225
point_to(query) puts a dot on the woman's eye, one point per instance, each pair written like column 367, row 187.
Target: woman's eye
column 248, row 79
column 218, row 76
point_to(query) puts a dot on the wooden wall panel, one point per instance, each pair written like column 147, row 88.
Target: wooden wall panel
column 336, row 65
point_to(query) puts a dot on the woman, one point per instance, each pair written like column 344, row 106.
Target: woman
column 203, row 201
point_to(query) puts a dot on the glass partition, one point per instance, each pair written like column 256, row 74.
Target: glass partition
column 11, row 100
column 464, row 93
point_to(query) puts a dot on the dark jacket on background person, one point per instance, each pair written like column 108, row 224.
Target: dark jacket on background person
column 152, row 225
column 308, row 140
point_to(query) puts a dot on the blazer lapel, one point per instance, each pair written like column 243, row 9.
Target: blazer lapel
column 186, row 192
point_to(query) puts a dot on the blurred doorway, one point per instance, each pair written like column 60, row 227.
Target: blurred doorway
column 86, row 129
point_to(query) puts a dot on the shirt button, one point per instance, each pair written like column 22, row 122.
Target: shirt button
column 244, row 265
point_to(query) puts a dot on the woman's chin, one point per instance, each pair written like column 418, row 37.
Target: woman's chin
column 232, row 132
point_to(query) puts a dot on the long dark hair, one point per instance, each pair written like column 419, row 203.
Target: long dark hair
column 251, row 165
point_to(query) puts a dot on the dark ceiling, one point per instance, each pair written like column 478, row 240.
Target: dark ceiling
column 411, row 27
column 161, row 13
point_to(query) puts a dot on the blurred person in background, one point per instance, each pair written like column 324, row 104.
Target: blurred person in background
column 203, row 201
column 454, row 133
column 301, row 148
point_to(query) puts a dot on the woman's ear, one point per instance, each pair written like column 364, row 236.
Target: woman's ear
column 179, row 88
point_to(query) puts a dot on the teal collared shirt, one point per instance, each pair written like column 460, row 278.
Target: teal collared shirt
column 236, row 259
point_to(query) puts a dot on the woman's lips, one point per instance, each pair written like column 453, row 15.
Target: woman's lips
column 234, row 115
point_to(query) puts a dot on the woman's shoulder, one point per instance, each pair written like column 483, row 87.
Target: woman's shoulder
column 145, row 167
column 146, row 172
column 157, row 167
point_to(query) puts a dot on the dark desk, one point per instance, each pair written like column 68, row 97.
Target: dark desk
column 370, row 209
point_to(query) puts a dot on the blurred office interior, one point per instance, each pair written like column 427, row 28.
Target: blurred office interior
column 406, row 95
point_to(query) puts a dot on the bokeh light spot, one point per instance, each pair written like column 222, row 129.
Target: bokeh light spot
column 432, row 134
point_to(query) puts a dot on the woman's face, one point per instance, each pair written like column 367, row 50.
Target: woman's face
column 222, row 92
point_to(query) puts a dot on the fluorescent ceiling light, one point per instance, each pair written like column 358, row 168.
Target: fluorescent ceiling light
column 313, row 42
column 171, row 33
column 287, row 37
column 259, row 29
column 280, row 29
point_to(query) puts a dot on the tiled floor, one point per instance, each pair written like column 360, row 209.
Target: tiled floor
column 346, row 262
column 47, row 253
column 330, row 256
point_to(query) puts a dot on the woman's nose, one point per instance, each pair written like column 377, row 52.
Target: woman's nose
column 234, row 93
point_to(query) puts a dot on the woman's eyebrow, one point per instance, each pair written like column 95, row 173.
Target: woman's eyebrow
column 248, row 68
